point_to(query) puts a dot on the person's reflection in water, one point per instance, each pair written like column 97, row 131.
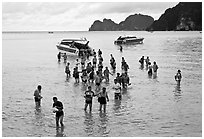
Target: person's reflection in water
column 103, row 124
column 37, row 111
column 142, row 66
column 89, row 123
column 117, row 105
column 60, row 131
column 177, row 92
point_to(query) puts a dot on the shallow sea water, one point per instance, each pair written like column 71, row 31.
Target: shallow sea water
column 149, row 107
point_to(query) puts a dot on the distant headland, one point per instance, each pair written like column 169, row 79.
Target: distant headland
column 184, row 16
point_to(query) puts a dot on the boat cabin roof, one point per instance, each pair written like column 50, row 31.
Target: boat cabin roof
column 76, row 39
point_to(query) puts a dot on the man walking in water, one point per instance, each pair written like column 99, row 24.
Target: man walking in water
column 88, row 95
column 37, row 96
column 59, row 111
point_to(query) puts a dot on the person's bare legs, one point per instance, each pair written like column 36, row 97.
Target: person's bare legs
column 61, row 120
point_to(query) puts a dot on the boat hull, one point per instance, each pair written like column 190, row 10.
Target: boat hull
column 75, row 46
column 138, row 41
column 129, row 41
column 67, row 49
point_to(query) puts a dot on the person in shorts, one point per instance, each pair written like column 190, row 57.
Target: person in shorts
column 88, row 95
column 103, row 98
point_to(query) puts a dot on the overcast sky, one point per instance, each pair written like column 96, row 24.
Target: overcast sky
column 72, row 16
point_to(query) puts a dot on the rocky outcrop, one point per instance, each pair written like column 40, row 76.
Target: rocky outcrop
column 131, row 23
column 106, row 25
column 184, row 16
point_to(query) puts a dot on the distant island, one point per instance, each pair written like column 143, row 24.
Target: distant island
column 184, row 16
column 132, row 22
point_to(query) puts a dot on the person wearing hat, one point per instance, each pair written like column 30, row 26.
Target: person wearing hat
column 178, row 77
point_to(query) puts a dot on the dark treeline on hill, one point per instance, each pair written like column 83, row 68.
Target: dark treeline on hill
column 132, row 22
column 184, row 16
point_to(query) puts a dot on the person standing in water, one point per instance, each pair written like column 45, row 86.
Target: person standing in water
column 150, row 69
column 88, row 95
column 37, row 96
column 142, row 60
column 117, row 88
column 94, row 61
column 59, row 56
column 155, row 68
column 77, row 63
column 67, row 70
column 106, row 73
column 178, row 77
column 103, row 98
column 97, row 81
column 59, row 112
column 76, row 74
column 112, row 62
column 121, row 48
column 65, row 57
column 147, row 60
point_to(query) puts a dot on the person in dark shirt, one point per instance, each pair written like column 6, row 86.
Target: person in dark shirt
column 142, row 60
column 88, row 95
column 59, row 56
column 59, row 111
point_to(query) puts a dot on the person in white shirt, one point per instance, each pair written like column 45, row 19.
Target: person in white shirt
column 117, row 88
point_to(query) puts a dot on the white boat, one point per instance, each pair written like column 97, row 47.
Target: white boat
column 74, row 46
column 128, row 40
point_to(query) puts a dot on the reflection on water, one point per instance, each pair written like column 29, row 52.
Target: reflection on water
column 142, row 66
column 89, row 123
column 177, row 92
column 117, row 105
column 154, row 75
column 60, row 131
column 103, row 129
column 37, row 110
